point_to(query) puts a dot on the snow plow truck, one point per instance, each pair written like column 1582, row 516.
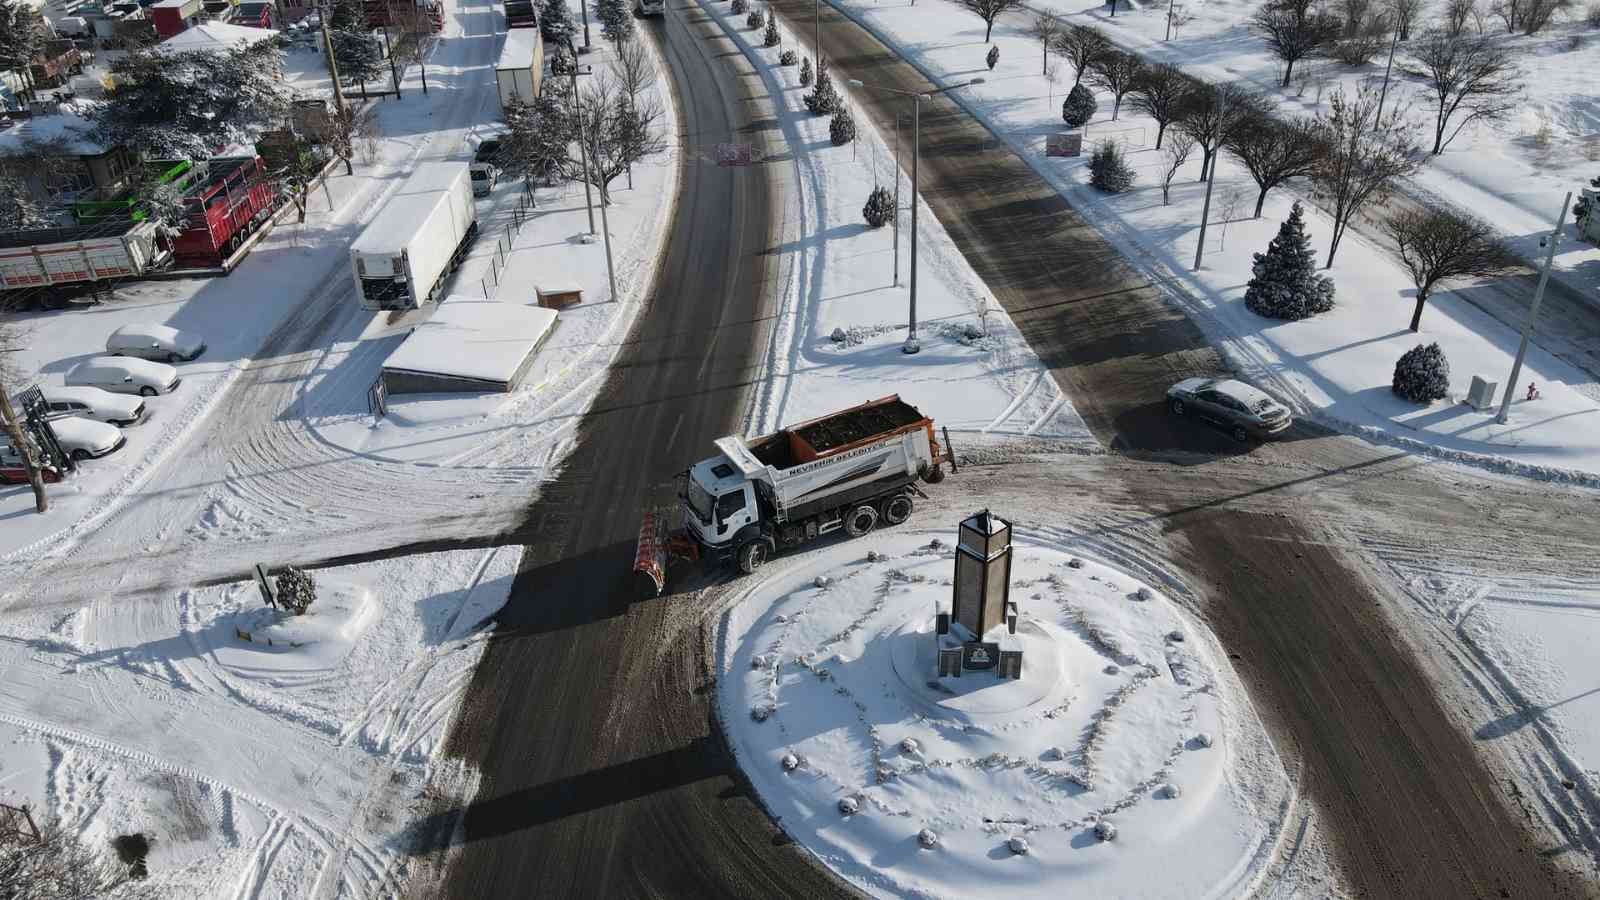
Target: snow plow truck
column 853, row 469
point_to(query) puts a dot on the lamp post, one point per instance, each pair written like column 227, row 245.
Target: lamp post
column 1533, row 312
column 583, row 155
column 816, row 41
column 911, row 345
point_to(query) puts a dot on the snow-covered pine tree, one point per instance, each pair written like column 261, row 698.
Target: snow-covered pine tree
column 880, row 207
column 1108, row 170
column 359, row 55
column 992, row 57
column 555, row 22
column 184, row 105
column 823, row 99
column 756, row 18
column 616, row 20
column 772, row 37
column 739, row 7
column 788, row 58
column 1079, row 106
column 1284, row 283
column 842, row 130
column 805, row 72
column 19, row 211
column 1422, row 374
column 297, row 590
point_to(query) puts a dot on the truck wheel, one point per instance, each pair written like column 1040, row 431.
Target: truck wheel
column 934, row 475
column 752, row 556
column 860, row 520
column 897, row 509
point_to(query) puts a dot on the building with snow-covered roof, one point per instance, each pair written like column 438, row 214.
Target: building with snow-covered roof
column 216, row 37
column 470, row 344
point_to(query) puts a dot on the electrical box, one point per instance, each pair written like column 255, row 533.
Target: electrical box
column 1481, row 395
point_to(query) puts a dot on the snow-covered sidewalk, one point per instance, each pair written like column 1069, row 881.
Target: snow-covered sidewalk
column 1336, row 367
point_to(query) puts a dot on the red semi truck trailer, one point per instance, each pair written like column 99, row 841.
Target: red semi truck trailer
column 227, row 205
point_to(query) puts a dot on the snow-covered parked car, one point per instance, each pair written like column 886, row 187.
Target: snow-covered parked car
column 156, row 342
column 122, row 375
column 94, row 403
column 14, row 471
column 86, row 438
column 1244, row 411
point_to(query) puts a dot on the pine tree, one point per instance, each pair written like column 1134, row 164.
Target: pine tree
column 739, row 7
column 992, row 57
column 842, row 130
column 1422, row 374
column 359, row 55
column 823, row 99
column 616, row 20
column 771, row 38
column 1108, row 170
column 788, row 58
column 347, row 15
column 805, row 72
column 756, row 19
column 880, row 207
column 184, row 105
column 1079, row 106
column 1284, row 283
column 555, row 22
column 19, row 211
column 1581, row 208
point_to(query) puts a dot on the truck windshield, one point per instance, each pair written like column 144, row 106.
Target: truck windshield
column 699, row 501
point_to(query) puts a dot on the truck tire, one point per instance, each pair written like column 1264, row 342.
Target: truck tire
column 753, row 555
column 860, row 520
column 897, row 509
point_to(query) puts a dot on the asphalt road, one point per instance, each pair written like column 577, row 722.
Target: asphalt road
column 1411, row 809
column 589, row 717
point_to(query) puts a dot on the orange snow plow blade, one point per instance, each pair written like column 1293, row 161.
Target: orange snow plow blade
column 651, row 557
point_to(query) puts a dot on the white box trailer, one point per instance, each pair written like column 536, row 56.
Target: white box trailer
column 57, row 256
column 402, row 257
column 520, row 67
column 851, row 469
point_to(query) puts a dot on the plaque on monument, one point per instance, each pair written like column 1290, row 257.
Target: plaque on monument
column 979, row 655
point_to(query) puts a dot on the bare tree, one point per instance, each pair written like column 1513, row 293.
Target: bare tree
column 988, row 11
column 1456, row 14
column 1358, row 49
column 1212, row 114
column 1403, row 13
column 634, row 67
column 1469, row 79
column 1436, row 244
column 1274, row 151
column 1161, row 93
column 1293, row 32
column 12, row 338
column 61, row 866
column 347, row 126
column 1173, row 156
column 1081, row 45
column 1118, row 73
column 1364, row 153
column 1355, row 15
column 1529, row 16
column 1046, row 29
column 619, row 131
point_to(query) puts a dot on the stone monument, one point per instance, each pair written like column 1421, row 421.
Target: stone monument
column 979, row 631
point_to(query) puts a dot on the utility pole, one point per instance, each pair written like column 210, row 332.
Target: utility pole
column 24, row 446
column 1205, row 214
column 333, row 66
column 816, row 41
column 1533, row 313
column 896, row 219
column 1387, row 68
column 583, row 154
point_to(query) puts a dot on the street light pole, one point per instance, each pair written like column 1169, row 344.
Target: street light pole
column 816, row 41
column 583, row 145
column 912, row 345
column 1533, row 313
column 896, row 219
column 1383, row 94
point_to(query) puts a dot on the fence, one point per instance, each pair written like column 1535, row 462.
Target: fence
column 503, row 245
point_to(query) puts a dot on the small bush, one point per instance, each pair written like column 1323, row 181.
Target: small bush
column 1423, row 374
column 880, row 207
column 1108, row 170
column 992, row 57
column 805, row 72
column 788, row 58
column 1591, row 17
column 756, row 19
column 297, row 590
column 740, row 6
column 771, row 38
column 1079, row 106
column 842, row 130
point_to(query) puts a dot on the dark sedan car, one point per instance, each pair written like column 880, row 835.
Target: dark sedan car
column 1243, row 411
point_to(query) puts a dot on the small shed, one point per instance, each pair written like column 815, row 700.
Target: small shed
column 519, row 70
column 470, row 344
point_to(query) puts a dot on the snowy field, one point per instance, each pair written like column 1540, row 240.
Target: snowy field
column 1125, row 714
column 285, row 766
column 1335, row 367
column 974, row 374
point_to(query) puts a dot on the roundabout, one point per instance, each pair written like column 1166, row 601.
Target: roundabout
column 1122, row 760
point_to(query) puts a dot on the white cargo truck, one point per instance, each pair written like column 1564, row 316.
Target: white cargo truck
column 402, row 257
column 852, row 470
column 47, row 257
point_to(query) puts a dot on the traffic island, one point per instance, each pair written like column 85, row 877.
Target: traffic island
column 1119, row 759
